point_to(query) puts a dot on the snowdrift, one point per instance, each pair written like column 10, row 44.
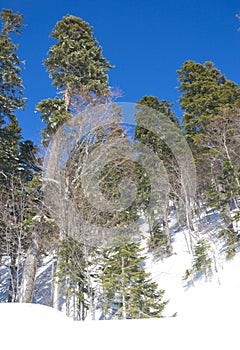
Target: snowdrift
column 32, row 326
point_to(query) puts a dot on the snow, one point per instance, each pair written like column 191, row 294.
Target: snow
column 215, row 294
column 207, row 312
column 34, row 326
column 28, row 326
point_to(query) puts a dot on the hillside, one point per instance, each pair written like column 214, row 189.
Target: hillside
column 212, row 295
column 215, row 292
column 207, row 307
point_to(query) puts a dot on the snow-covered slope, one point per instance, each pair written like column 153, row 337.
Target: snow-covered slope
column 211, row 296
column 207, row 308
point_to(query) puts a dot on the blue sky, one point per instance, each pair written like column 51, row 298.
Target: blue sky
column 147, row 41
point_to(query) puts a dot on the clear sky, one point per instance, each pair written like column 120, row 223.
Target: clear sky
column 147, row 41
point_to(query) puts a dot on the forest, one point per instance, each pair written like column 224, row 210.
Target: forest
column 95, row 198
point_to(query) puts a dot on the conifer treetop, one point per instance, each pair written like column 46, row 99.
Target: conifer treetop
column 75, row 63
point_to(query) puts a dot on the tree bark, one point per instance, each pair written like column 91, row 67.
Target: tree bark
column 11, row 290
column 29, row 272
column 167, row 232
column 124, row 313
column 55, row 285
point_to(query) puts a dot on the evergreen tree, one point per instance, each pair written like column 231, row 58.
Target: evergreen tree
column 18, row 159
column 11, row 91
column 201, row 262
column 220, row 140
column 128, row 291
column 75, row 63
column 53, row 114
column 10, row 79
column 201, row 259
column 78, row 70
column 72, row 277
column 158, row 235
column 204, row 92
column 211, row 125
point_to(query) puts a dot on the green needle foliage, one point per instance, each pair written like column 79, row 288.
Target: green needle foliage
column 11, row 82
column 204, row 91
column 53, row 114
column 128, row 290
column 71, row 276
column 16, row 157
column 78, row 70
column 11, row 90
column 202, row 261
column 164, row 116
column 211, row 125
column 75, row 62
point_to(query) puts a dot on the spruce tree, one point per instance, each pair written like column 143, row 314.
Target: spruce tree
column 211, row 124
column 128, row 290
column 11, row 82
column 204, row 91
column 18, row 159
column 75, row 62
column 162, row 110
column 78, row 70
column 11, row 91
column 201, row 262
column 72, row 278
column 220, row 139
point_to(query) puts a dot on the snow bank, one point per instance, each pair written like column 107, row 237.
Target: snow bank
column 26, row 326
column 32, row 326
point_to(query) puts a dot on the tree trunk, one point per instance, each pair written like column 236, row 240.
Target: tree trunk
column 189, row 217
column 167, row 232
column 63, row 234
column 29, row 272
column 55, row 285
column 89, row 286
column 124, row 313
column 227, row 217
column 12, row 291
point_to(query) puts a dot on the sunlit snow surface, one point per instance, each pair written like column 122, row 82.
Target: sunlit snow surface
column 217, row 295
column 25, row 326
